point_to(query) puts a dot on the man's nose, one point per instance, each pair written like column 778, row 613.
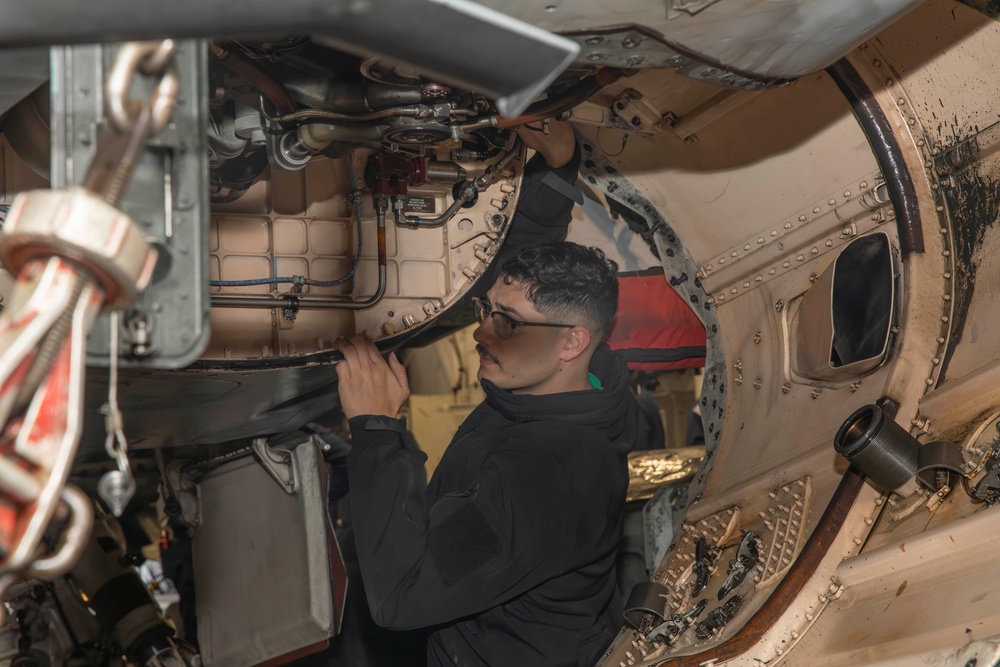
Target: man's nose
column 484, row 331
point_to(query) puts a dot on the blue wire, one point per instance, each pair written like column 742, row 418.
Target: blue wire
column 309, row 281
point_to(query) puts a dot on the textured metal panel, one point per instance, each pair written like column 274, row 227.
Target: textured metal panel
column 303, row 223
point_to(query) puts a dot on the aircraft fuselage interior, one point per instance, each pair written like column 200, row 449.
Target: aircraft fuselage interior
column 199, row 198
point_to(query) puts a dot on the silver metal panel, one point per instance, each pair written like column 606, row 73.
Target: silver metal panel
column 262, row 561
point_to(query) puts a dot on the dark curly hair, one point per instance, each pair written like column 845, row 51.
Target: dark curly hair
column 568, row 283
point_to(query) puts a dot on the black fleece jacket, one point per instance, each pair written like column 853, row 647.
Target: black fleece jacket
column 510, row 551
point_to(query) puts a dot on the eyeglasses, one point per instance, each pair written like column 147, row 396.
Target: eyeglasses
column 504, row 324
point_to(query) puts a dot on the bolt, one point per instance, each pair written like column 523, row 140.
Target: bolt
column 757, row 337
column 594, row 40
column 594, row 56
column 816, row 393
column 855, row 386
column 634, row 61
column 757, row 384
column 631, row 42
column 785, row 388
column 779, row 305
column 675, row 61
column 813, row 277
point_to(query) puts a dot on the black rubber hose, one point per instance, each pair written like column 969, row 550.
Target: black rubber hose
column 887, row 152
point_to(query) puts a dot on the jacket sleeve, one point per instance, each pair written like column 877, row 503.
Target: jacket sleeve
column 507, row 533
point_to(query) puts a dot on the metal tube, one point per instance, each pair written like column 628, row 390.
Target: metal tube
column 272, row 89
column 305, row 115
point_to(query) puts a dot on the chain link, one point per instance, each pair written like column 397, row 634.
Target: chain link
column 154, row 60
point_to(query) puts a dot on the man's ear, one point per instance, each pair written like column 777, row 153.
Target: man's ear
column 576, row 342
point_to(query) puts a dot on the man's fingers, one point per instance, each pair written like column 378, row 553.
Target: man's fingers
column 369, row 348
column 397, row 369
column 352, row 357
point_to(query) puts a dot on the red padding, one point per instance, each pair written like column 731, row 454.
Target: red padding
column 655, row 326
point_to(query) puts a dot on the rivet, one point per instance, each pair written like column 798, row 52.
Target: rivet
column 935, row 361
column 760, row 241
column 710, row 300
column 868, row 521
column 734, row 291
column 786, row 265
column 774, row 232
column 940, row 340
column 847, row 193
column 877, row 62
column 816, row 210
column 939, row 208
column 947, row 297
column 771, row 272
column 943, row 230
column 800, row 258
column 929, row 382
column 785, row 388
column 944, row 318
column 947, row 275
column 862, row 185
column 722, row 260
column 594, row 40
column 946, row 253
column 802, row 218
column 594, row 56
column 816, row 393
column 759, row 278
column 788, row 225
column 832, row 201
column 829, row 243
column 721, row 297
column 813, row 277
column 757, row 384
column 814, row 251
column 823, row 598
column 738, row 379
column 901, row 101
column 920, row 143
column 747, row 247
column 746, row 285
column 855, row 386
column 912, row 121
column 734, row 254
column 757, row 337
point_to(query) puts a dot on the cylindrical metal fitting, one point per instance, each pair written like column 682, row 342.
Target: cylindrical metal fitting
column 878, row 447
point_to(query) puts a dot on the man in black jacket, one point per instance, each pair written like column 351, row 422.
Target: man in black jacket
column 510, row 550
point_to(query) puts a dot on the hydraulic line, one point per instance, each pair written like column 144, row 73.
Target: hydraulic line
column 469, row 190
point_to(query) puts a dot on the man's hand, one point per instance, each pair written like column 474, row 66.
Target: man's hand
column 368, row 385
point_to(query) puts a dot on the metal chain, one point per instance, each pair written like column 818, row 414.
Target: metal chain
column 152, row 59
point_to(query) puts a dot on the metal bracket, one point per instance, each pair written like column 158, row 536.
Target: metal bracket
column 279, row 464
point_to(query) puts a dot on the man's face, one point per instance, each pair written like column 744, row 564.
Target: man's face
column 528, row 362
